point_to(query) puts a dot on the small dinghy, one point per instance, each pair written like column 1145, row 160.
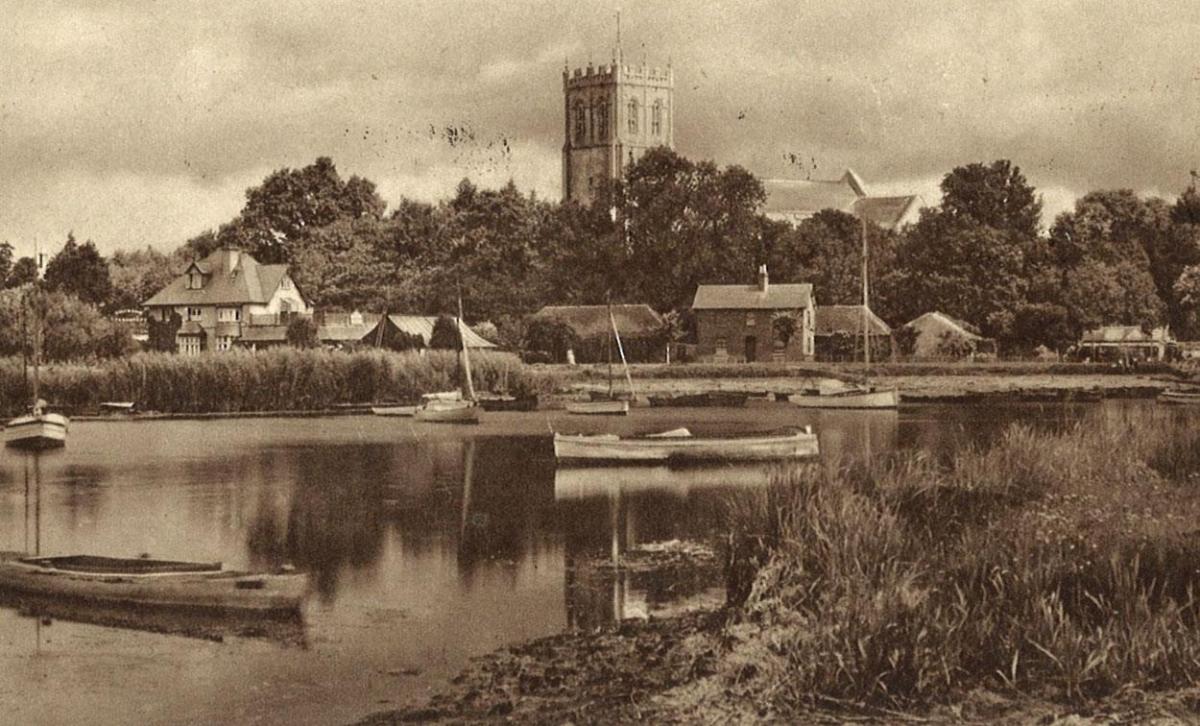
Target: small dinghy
column 679, row 445
column 37, row 430
column 155, row 583
column 394, row 410
column 439, row 410
column 598, row 408
column 1179, row 396
column 879, row 398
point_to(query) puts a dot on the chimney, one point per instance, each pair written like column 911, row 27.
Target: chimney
column 762, row 278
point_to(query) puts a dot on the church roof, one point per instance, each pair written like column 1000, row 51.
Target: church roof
column 887, row 212
column 797, row 199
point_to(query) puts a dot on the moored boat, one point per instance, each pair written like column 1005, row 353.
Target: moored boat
column 154, row 583
column 1179, row 396
column 680, row 445
column 509, row 403
column 598, row 408
column 877, row 398
column 394, row 410
column 724, row 399
column 37, row 430
column 443, row 411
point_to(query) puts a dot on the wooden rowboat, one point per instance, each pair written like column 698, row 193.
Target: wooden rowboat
column 37, row 431
column 394, row 410
column 1177, row 396
column 879, row 398
column 598, row 408
column 680, row 445
column 443, row 411
column 153, row 583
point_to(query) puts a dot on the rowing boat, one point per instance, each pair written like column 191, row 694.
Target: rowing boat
column 155, row 583
column 681, row 445
column 38, row 430
column 393, row 410
column 598, row 408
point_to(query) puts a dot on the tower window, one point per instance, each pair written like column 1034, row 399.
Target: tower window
column 633, row 116
column 656, row 119
column 580, row 123
column 601, row 121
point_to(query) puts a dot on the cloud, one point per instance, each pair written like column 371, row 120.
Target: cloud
column 185, row 105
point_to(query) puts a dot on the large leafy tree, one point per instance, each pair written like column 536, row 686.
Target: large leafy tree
column 6, row 261
column 137, row 275
column 826, row 250
column 80, row 270
column 23, row 272
column 291, row 202
column 993, row 195
column 71, row 329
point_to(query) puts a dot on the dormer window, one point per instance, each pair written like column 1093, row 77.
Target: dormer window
column 195, row 280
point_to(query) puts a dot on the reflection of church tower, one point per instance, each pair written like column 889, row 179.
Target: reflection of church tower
column 613, row 114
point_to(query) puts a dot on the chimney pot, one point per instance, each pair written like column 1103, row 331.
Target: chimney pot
column 762, row 278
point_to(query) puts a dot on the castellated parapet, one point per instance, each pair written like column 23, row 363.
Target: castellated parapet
column 612, row 114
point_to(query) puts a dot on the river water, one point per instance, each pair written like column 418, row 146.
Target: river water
column 425, row 544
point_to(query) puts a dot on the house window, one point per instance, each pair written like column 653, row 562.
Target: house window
column 580, row 123
column 633, row 116
column 189, row 344
column 656, row 119
column 229, row 315
column 224, row 342
column 285, row 283
column 193, row 313
column 749, row 320
column 195, row 281
column 601, row 115
column 722, row 346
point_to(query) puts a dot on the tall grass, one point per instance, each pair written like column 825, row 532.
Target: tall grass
column 278, row 379
column 1056, row 564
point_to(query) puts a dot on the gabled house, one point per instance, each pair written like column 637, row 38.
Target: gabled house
column 794, row 200
column 1125, row 342
column 223, row 298
column 759, row 322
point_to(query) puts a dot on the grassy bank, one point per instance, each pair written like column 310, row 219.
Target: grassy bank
column 1058, row 566
column 279, row 379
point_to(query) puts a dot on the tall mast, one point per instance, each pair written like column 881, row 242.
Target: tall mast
column 608, row 344
column 621, row 349
column 865, row 301
column 466, row 360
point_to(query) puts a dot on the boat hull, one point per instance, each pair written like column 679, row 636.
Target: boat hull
column 41, row 431
column 598, row 408
column 877, row 399
column 201, row 590
column 394, row 410
column 442, row 411
column 509, row 403
column 1184, row 397
column 608, row 448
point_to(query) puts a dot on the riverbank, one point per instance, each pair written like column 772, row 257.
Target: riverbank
column 1047, row 578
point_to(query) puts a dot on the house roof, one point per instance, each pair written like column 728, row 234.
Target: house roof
column 834, row 319
column 591, row 321
column 229, row 280
column 789, row 296
column 422, row 325
column 947, row 322
column 1125, row 334
column 345, row 333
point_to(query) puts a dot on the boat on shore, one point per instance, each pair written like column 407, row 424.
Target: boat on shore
column 679, row 445
column 394, row 410
column 138, row 582
column 458, row 407
column 876, row 398
column 598, row 408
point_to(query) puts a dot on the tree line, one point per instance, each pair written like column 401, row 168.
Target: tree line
column 670, row 223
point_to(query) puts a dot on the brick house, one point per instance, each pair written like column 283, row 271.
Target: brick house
column 225, row 297
column 736, row 323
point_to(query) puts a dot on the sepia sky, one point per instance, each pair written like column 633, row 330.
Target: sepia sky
column 141, row 122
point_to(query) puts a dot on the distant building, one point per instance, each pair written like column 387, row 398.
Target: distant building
column 356, row 330
column 838, row 333
column 640, row 327
column 795, row 200
column 420, row 325
column 223, row 298
column 939, row 336
column 612, row 115
column 736, row 323
column 1125, row 342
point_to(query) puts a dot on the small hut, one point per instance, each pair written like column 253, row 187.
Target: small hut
column 590, row 332
column 937, row 336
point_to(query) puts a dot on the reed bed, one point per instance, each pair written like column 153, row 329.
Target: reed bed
column 272, row 380
column 1058, row 565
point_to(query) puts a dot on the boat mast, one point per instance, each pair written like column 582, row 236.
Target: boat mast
column 608, row 345
column 466, row 360
column 865, row 301
column 37, row 345
column 621, row 349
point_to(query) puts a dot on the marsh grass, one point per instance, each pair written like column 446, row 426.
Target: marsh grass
column 272, row 380
column 1062, row 565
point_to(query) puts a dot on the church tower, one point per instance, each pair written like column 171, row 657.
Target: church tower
column 612, row 115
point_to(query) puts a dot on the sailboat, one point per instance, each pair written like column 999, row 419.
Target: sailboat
column 38, row 429
column 858, row 396
column 610, row 405
column 443, row 408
